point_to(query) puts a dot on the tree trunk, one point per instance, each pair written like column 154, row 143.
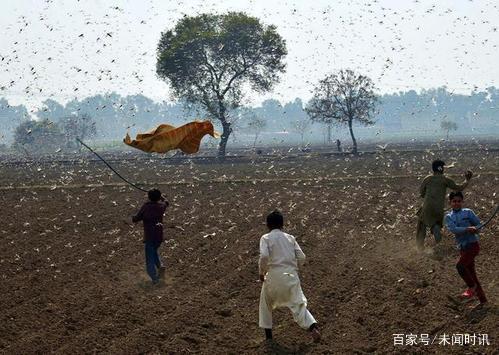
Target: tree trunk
column 223, row 140
column 329, row 133
column 226, row 130
column 254, row 143
column 354, row 150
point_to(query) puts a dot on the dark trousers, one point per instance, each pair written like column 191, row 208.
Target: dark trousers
column 421, row 233
column 153, row 263
column 466, row 269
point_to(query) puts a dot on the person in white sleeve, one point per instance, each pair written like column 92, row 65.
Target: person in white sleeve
column 280, row 255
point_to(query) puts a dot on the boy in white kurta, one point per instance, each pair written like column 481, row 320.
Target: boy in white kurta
column 278, row 266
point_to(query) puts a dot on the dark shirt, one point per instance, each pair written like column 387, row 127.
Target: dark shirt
column 151, row 213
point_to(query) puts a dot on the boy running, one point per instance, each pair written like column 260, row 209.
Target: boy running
column 278, row 266
column 151, row 214
column 433, row 190
column 462, row 223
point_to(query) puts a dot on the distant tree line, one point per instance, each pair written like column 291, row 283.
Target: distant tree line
column 46, row 136
column 113, row 114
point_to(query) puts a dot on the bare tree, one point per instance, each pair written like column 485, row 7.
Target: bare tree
column 81, row 126
column 342, row 98
column 448, row 126
column 300, row 126
column 256, row 125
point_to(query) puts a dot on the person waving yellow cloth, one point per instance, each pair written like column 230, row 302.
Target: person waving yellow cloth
column 166, row 137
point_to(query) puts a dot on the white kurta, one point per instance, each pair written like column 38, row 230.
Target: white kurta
column 279, row 258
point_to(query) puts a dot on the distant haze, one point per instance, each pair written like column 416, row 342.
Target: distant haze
column 75, row 49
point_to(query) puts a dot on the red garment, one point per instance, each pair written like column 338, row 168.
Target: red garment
column 151, row 214
column 466, row 268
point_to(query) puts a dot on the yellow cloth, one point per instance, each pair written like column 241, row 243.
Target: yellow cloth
column 165, row 138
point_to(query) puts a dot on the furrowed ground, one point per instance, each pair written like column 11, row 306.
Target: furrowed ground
column 72, row 265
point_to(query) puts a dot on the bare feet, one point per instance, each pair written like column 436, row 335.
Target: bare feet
column 478, row 306
column 161, row 272
column 315, row 333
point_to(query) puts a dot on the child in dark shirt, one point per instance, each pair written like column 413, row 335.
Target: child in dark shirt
column 151, row 213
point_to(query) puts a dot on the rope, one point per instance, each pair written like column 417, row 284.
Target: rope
column 110, row 167
column 490, row 218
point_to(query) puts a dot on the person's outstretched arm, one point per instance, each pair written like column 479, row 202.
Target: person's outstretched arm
column 451, row 184
column 164, row 203
column 163, row 199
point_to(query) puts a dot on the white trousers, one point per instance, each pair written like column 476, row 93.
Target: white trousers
column 282, row 289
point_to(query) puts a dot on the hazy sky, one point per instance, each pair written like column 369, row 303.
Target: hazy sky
column 67, row 49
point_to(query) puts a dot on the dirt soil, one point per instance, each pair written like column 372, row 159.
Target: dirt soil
column 72, row 264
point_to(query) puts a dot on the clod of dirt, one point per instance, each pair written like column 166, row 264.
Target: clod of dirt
column 224, row 313
column 208, row 325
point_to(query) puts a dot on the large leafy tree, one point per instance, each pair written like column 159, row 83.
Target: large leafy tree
column 10, row 118
column 342, row 98
column 38, row 136
column 51, row 110
column 209, row 60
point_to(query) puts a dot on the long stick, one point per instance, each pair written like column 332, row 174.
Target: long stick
column 110, row 167
column 480, row 226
